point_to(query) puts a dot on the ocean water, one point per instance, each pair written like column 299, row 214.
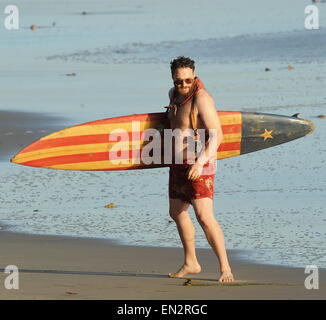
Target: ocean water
column 270, row 204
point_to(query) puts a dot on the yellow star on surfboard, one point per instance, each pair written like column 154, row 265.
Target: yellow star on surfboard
column 267, row 134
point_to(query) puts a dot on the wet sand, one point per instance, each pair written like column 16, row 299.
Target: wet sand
column 52, row 267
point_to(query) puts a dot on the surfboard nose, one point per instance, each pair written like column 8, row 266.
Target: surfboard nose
column 261, row 131
column 13, row 159
column 309, row 126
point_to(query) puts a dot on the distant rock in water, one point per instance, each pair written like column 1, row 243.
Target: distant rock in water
column 110, row 205
column 322, row 116
column 34, row 27
column 267, row 69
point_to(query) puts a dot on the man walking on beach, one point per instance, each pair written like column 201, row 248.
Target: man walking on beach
column 192, row 109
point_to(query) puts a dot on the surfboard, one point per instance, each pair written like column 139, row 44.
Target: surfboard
column 118, row 143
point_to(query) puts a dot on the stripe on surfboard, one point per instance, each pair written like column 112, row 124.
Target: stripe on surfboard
column 98, row 156
column 103, row 138
column 96, row 128
column 106, row 165
column 105, row 147
column 146, row 117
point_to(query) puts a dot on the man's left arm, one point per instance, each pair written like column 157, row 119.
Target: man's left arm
column 207, row 113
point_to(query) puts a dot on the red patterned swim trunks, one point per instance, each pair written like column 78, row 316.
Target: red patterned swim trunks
column 180, row 187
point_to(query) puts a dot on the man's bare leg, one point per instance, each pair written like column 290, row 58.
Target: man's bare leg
column 214, row 234
column 179, row 213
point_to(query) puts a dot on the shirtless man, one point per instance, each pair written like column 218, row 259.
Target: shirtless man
column 192, row 183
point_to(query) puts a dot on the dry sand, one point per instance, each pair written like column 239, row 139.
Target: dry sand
column 52, row 267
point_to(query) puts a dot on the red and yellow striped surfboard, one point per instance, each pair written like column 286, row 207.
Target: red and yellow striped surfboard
column 90, row 146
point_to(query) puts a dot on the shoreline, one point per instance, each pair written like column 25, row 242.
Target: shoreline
column 58, row 267
column 236, row 254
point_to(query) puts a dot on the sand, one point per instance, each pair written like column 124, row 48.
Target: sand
column 52, row 267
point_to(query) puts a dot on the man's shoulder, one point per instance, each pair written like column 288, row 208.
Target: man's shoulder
column 203, row 96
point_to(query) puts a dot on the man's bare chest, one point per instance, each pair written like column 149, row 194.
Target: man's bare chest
column 181, row 117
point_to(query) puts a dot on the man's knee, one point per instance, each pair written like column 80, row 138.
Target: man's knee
column 178, row 209
column 205, row 219
column 204, row 212
column 178, row 214
column 174, row 214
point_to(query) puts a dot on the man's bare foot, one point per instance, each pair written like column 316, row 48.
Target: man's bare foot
column 185, row 269
column 226, row 276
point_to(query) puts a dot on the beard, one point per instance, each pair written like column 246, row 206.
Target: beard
column 185, row 91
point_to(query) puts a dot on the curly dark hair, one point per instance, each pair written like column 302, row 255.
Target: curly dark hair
column 182, row 62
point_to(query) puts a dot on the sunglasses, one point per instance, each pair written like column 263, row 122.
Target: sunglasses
column 179, row 82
